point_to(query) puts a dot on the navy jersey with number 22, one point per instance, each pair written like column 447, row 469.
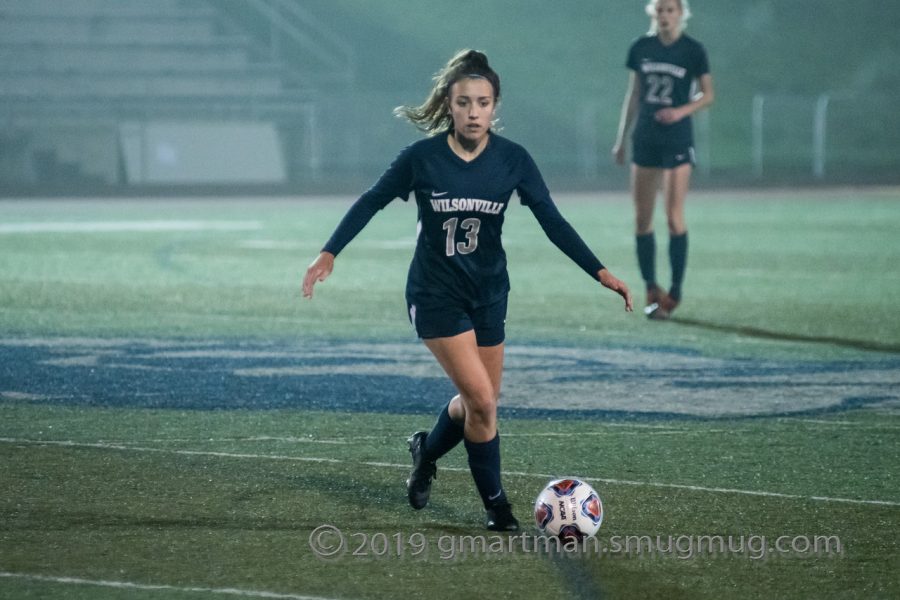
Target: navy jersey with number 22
column 666, row 74
column 459, row 257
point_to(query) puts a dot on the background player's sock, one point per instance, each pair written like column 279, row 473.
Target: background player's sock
column 444, row 436
column 678, row 246
column 484, row 463
column 646, row 253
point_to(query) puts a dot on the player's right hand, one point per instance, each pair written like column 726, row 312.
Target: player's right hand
column 319, row 270
column 618, row 153
column 610, row 281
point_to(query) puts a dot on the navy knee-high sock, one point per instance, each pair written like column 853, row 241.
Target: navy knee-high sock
column 646, row 253
column 484, row 463
column 678, row 247
column 444, row 436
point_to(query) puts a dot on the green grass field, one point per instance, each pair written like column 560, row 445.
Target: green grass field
column 175, row 422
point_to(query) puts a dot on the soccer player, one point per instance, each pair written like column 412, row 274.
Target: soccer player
column 665, row 65
column 462, row 177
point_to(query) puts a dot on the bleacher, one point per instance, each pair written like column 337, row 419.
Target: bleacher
column 73, row 74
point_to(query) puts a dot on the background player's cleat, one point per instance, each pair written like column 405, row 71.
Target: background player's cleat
column 418, row 486
column 657, row 312
column 655, row 294
column 500, row 518
column 652, row 310
column 659, row 304
column 669, row 304
column 655, row 297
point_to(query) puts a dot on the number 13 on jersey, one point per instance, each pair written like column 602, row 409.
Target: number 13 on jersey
column 470, row 226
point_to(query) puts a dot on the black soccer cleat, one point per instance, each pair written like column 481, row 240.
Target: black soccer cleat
column 418, row 486
column 500, row 518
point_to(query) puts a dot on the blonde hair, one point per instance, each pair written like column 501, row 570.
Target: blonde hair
column 650, row 9
column 433, row 116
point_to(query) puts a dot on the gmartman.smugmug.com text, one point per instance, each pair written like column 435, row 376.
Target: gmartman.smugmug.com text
column 330, row 542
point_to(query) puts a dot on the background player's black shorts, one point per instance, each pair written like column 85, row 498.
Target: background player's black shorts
column 489, row 321
column 659, row 156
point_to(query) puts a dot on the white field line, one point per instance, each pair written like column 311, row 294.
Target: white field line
column 257, row 438
column 128, row 585
column 547, row 476
column 355, row 438
column 626, row 425
column 360, row 438
column 846, row 424
column 660, row 430
column 123, row 447
column 125, row 226
column 593, row 433
column 298, row 245
column 677, row 486
column 213, row 317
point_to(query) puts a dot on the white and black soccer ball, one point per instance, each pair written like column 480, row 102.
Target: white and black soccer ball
column 568, row 508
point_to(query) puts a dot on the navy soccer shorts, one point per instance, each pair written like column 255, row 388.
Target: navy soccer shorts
column 658, row 156
column 489, row 321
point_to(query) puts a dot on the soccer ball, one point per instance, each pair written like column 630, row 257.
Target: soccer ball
column 568, row 508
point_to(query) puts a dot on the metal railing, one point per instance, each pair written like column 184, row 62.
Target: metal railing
column 293, row 27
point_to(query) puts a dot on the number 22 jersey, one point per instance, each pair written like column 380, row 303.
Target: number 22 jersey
column 666, row 75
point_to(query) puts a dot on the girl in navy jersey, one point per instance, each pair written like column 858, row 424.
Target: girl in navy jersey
column 665, row 65
column 462, row 177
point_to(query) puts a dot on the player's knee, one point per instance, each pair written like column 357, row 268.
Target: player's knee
column 481, row 403
column 457, row 410
column 676, row 224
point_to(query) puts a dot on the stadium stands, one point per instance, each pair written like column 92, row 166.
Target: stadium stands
column 73, row 74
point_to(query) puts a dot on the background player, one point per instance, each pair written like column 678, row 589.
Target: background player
column 462, row 177
column 665, row 65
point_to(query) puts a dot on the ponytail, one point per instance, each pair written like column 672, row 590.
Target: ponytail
column 433, row 116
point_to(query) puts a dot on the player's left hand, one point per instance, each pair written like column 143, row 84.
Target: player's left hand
column 608, row 280
column 319, row 270
column 667, row 116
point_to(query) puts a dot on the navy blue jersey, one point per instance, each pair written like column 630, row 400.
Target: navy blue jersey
column 666, row 75
column 459, row 256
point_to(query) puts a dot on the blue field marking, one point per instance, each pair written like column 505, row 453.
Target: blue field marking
column 539, row 382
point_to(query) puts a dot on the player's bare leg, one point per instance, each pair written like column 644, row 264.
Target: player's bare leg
column 476, row 371
column 477, row 380
column 450, row 429
column 675, row 188
column 492, row 358
column 645, row 183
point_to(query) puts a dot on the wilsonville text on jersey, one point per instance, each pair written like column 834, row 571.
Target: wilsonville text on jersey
column 466, row 204
column 661, row 67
